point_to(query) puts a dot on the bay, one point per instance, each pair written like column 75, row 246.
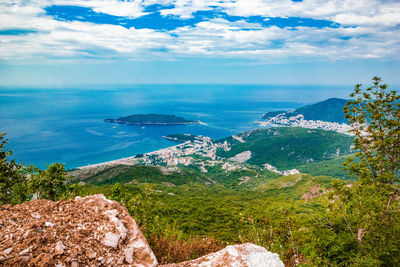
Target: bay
column 67, row 125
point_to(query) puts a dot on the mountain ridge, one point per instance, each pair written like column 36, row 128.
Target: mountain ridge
column 330, row 110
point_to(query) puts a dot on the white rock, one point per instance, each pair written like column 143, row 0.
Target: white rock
column 25, row 235
column 111, row 240
column 122, row 230
column 242, row 157
column 109, row 260
column 7, row 251
column 59, row 249
column 128, row 252
column 290, row 172
column 25, row 251
column 112, row 216
column 48, row 224
column 244, row 255
column 36, row 215
column 259, row 256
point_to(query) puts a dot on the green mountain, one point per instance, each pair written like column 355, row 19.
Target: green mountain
column 175, row 176
column 142, row 119
column 288, row 147
column 145, row 174
column 330, row 110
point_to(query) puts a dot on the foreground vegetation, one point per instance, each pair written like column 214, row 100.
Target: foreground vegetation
column 309, row 219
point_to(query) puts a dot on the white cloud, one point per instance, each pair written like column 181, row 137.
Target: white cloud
column 355, row 12
column 130, row 9
column 62, row 39
column 218, row 37
column 373, row 32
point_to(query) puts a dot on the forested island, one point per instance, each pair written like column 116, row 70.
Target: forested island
column 152, row 119
column 181, row 138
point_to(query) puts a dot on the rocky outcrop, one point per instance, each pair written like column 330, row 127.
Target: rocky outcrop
column 95, row 231
column 242, row 157
column 313, row 192
column 284, row 173
column 244, row 255
column 86, row 231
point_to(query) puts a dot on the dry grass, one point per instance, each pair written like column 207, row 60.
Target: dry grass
column 172, row 250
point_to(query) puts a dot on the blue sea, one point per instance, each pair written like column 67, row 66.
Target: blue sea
column 67, row 125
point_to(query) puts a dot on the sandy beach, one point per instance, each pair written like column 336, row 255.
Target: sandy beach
column 124, row 161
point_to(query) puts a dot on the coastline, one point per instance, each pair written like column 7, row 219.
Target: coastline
column 132, row 159
column 122, row 161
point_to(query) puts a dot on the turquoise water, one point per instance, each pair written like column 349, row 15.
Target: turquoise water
column 66, row 125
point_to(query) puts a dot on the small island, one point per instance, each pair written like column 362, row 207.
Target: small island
column 152, row 119
column 180, row 138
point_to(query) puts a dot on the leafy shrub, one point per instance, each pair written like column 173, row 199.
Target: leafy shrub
column 282, row 237
column 19, row 182
column 13, row 187
column 50, row 183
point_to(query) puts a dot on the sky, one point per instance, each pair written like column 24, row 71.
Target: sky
column 56, row 43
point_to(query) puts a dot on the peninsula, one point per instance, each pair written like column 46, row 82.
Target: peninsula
column 330, row 110
column 152, row 119
column 326, row 115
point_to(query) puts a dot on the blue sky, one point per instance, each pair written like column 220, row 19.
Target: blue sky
column 79, row 42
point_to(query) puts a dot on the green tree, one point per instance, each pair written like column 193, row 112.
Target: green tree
column 361, row 224
column 50, row 183
column 374, row 114
column 139, row 204
column 12, row 177
column 73, row 190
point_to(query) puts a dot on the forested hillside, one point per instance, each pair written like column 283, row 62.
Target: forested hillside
column 287, row 147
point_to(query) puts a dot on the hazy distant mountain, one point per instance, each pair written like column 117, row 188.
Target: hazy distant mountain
column 330, row 110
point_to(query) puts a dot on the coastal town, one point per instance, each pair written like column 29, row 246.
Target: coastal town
column 201, row 151
column 298, row 121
